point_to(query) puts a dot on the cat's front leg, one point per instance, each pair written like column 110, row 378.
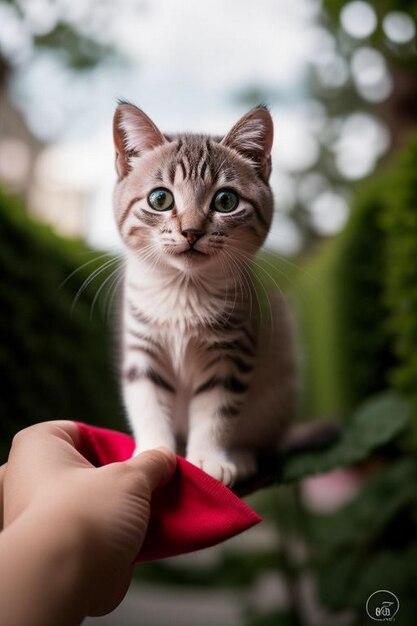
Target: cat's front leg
column 214, row 412
column 149, row 398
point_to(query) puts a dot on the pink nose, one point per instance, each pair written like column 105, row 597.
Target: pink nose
column 192, row 234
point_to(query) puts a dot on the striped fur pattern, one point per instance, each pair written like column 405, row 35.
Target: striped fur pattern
column 199, row 362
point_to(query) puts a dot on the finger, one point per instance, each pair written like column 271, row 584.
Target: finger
column 48, row 445
column 158, row 466
column 2, row 474
column 62, row 429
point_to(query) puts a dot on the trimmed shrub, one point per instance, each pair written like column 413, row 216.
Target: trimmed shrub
column 359, row 313
column 56, row 358
column 400, row 226
column 323, row 388
column 343, row 313
column 363, row 339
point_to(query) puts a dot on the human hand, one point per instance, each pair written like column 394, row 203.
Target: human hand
column 104, row 511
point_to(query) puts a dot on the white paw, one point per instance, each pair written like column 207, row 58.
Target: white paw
column 217, row 465
column 228, row 468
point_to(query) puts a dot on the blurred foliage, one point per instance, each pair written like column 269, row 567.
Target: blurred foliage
column 400, row 227
column 334, row 96
column 323, row 387
column 399, row 55
column 234, row 569
column 368, row 429
column 382, row 7
column 77, row 46
column 363, row 343
column 55, row 356
column 358, row 301
column 369, row 544
column 77, row 50
column 340, row 292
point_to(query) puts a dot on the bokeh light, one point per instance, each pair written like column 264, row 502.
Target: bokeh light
column 15, row 41
column 284, row 236
column 329, row 212
column 358, row 19
column 332, row 70
column 399, row 27
column 370, row 73
column 363, row 139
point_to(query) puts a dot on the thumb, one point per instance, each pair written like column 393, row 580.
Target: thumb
column 157, row 465
column 2, row 474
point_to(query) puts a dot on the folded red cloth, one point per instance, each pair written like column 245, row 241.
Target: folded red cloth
column 191, row 512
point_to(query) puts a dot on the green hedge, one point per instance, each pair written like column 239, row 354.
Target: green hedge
column 56, row 359
column 376, row 282
column 342, row 311
column 358, row 297
column 323, row 388
column 360, row 280
column 400, row 227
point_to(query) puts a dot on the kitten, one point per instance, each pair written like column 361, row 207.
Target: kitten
column 199, row 360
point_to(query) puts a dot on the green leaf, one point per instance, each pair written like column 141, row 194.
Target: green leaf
column 347, row 582
column 336, row 580
column 363, row 521
column 395, row 570
column 77, row 49
column 377, row 422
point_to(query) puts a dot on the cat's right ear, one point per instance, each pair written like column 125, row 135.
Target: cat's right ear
column 252, row 137
column 134, row 133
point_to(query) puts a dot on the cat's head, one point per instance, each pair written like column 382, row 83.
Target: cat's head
column 189, row 200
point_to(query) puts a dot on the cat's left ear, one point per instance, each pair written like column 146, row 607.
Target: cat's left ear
column 134, row 133
column 252, row 137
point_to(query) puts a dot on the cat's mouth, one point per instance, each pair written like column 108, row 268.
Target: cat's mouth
column 189, row 258
column 191, row 253
column 192, row 258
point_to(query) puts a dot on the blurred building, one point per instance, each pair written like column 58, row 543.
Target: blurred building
column 23, row 171
column 19, row 148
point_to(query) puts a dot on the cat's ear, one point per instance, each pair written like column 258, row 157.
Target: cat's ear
column 252, row 137
column 134, row 133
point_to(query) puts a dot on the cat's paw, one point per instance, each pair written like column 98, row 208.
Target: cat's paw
column 217, row 465
column 229, row 468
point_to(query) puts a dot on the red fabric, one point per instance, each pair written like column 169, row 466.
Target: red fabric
column 191, row 512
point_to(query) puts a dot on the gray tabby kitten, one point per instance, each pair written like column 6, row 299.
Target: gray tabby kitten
column 199, row 361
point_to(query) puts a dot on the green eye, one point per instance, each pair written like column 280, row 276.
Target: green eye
column 161, row 199
column 225, row 201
